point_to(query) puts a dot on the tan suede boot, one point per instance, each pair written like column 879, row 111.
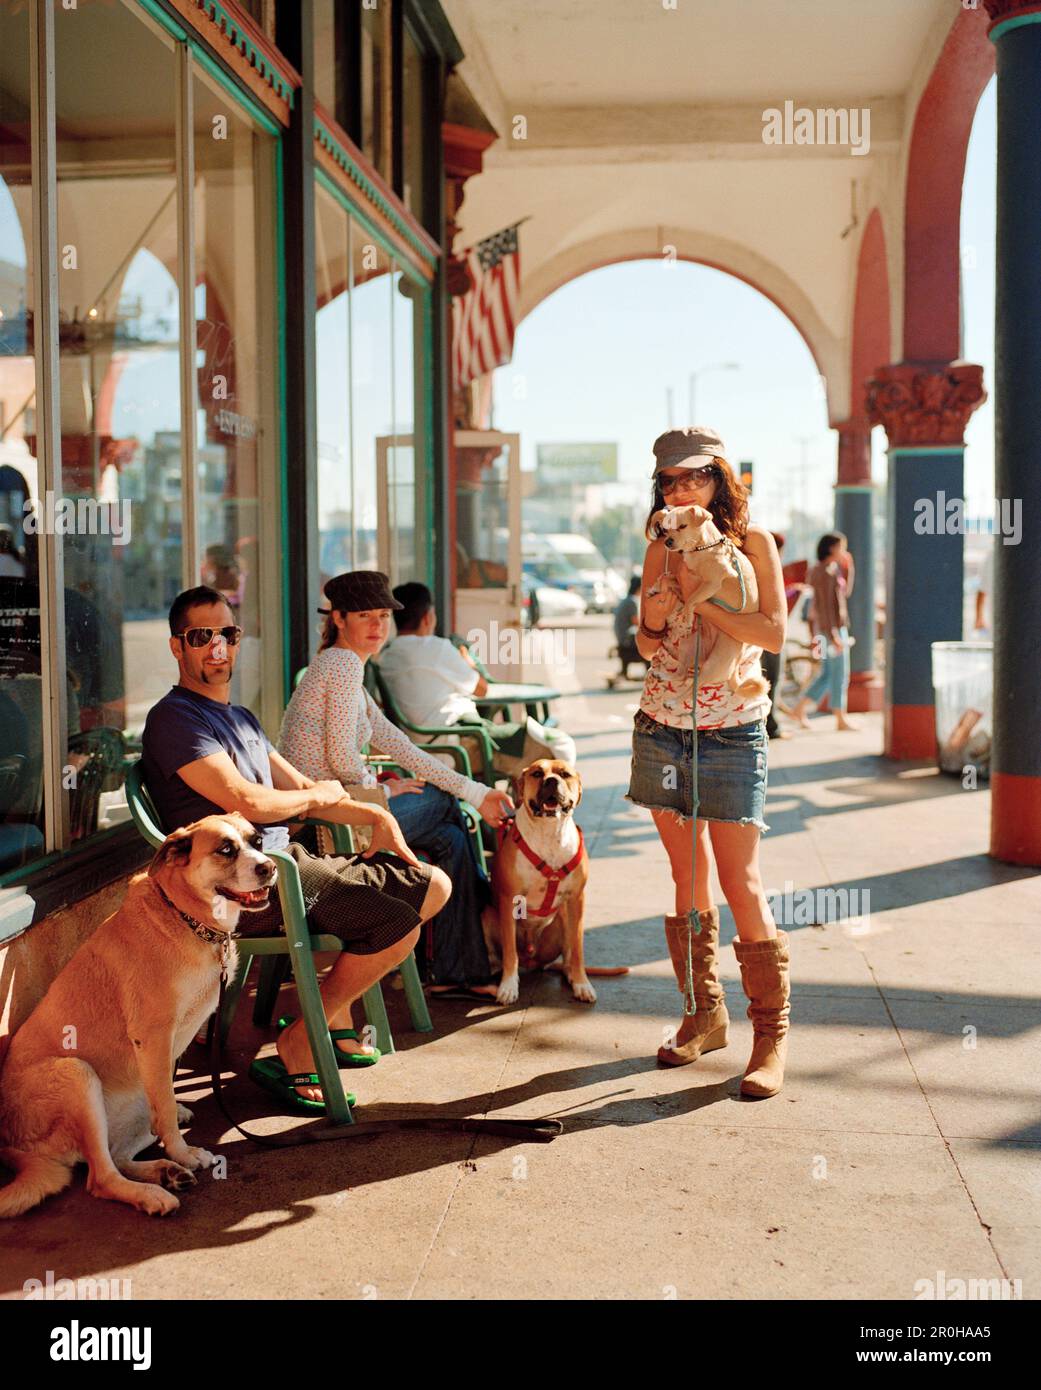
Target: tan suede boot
column 706, row 1029
column 764, row 975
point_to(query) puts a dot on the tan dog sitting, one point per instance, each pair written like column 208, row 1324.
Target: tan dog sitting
column 87, row 1077
column 539, row 876
column 717, row 565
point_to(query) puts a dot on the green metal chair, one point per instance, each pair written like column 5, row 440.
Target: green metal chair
column 298, row 946
column 381, row 693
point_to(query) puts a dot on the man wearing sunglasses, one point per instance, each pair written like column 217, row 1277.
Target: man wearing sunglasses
column 202, row 755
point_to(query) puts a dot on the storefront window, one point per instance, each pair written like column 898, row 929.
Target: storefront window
column 332, row 329
column 407, row 531
column 414, row 87
column 232, row 163
column 372, row 386
column 376, row 84
column 332, row 74
column 21, row 704
column 119, row 384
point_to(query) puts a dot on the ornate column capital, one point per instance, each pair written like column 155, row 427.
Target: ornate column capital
column 925, row 402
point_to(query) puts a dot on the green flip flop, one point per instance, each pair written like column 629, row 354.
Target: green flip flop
column 270, row 1074
column 343, row 1059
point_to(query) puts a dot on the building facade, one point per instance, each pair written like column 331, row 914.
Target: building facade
column 223, row 311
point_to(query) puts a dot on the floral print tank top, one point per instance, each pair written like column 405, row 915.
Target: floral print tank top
column 667, row 687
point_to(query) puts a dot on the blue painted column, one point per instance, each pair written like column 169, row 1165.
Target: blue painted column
column 854, row 517
column 1015, row 830
column 924, row 408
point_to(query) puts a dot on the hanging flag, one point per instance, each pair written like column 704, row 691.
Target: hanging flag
column 483, row 319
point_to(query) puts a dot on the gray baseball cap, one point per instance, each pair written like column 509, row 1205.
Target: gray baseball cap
column 686, row 447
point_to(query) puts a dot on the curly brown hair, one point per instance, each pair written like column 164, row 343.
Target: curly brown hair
column 729, row 507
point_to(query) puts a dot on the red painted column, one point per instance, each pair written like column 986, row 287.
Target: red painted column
column 924, row 407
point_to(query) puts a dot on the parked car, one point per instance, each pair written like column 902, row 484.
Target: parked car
column 542, row 600
column 588, row 571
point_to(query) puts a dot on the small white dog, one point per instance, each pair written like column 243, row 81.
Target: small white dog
column 718, row 566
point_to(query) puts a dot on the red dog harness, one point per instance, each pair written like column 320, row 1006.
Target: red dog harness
column 555, row 876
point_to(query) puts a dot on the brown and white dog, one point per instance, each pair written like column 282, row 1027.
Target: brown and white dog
column 539, row 876
column 717, row 565
column 87, row 1077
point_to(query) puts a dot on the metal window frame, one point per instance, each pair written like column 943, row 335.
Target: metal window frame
column 51, row 573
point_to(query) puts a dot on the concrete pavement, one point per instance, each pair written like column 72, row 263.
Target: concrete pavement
column 904, row 1147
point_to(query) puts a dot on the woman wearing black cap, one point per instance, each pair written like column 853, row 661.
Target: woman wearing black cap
column 332, row 717
column 691, row 469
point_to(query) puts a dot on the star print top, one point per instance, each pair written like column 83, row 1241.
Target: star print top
column 667, row 687
column 331, row 718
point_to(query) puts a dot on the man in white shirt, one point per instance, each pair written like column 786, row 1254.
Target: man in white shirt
column 433, row 683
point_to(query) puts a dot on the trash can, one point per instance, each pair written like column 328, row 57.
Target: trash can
column 963, row 675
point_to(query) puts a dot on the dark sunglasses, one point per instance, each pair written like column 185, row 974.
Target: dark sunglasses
column 695, row 476
column 203, row 636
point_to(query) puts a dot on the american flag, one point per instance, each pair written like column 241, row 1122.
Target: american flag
column 483, row 319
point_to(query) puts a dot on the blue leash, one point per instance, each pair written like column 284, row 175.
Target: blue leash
column 690, row 1007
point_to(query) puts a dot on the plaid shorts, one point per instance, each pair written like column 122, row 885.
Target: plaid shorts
column 368, row 903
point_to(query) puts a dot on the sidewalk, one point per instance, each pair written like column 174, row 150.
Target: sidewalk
column 904, row 1146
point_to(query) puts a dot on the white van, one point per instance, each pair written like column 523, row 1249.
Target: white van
column 601, row 586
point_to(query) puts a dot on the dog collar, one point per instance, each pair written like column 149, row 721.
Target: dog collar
column 695, row 548
column 555, row 876
column 212, row 937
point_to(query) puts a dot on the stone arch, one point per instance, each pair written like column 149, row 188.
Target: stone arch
column 701, row 248
column 933, row 188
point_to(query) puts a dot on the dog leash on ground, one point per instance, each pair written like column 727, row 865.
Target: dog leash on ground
column 541, row 1131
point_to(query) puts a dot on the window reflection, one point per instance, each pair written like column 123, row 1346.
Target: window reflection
column 229, row 418
column 335, row 489
column 119, row 384
column 372, row 384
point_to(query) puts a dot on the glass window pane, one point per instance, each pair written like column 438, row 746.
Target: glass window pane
column 372, row 384
column 482, row 516
column 21, row 705
column 406, row 477
column 119, row 384
column 232, row 164
column 375, row 85
column 414, row 102
column 332, row 72
column 335, row 492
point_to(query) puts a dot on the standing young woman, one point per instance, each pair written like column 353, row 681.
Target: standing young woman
column 691, row 468
column 829, row 620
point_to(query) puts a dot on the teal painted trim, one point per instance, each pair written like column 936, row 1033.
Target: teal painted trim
column 1013, row 22
column 855, row 487
column 163, row 19
column 258, row 60
column 220, row 75
column 365, row 185
column 280, row 397
column 909, row 450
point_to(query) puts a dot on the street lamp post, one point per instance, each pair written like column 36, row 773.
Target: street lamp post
column 693, row 384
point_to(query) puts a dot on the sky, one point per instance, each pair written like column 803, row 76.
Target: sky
column 593, row 361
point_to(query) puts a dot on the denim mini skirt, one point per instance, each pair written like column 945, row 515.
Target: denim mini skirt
column 731, row 771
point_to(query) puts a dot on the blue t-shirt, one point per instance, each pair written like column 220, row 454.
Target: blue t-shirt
column 184, row 727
